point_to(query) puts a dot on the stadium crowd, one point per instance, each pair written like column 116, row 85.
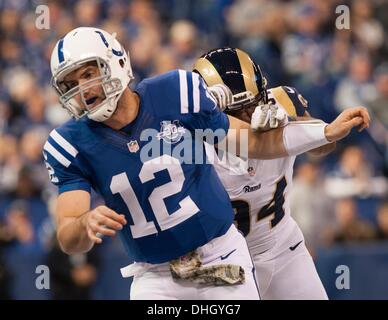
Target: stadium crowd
column 340, row 198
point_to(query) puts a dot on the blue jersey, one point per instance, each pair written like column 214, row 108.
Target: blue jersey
column 171, row 207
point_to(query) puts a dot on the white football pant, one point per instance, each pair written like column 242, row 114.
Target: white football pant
column 287, row 271
column 155, row 282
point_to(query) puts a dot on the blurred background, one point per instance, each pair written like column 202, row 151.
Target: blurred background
column 340, row 201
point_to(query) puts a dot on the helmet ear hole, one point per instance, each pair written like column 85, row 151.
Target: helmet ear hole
column 121, row 62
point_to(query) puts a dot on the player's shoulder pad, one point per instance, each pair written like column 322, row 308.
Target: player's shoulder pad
column 184, row 89
column 163, row 80
column 61, row 143
column 290, row 99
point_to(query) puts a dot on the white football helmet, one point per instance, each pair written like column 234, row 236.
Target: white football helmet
column 83, row 45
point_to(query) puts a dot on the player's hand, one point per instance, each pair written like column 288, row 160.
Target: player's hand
column 341, row 126
column 268, row 116
column 102, row 221
column 222, row 94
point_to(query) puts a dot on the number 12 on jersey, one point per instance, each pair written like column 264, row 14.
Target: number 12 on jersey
column 141, row 227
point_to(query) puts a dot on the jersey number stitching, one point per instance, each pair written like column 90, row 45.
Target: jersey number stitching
column 141, row 227
column 274, row 207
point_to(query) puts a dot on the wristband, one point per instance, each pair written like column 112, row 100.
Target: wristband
column 303, row 136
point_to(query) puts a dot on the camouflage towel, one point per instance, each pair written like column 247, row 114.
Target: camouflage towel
column 189, row 267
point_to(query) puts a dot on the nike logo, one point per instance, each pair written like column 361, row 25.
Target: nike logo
column 226, row 256
column 295, row 246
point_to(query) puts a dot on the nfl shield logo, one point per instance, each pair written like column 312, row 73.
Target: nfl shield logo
column 133, row 146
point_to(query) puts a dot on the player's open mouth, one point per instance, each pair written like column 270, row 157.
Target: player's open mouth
column 91, row 100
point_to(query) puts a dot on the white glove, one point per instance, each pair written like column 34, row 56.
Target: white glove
column 268, row 116
column 222, row 94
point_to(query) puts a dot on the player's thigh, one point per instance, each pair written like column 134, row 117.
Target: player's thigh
column 237, row 254
column 264, row 269
column 295, row 277
column 160, row 286
column 246, row 291
column 150, row 285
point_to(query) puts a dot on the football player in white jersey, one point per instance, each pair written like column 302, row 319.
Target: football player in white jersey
column 259, row 189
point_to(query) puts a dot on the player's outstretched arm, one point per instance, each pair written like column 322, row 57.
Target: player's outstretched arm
column 297, row 137
column 78, row 226
column 320, row 151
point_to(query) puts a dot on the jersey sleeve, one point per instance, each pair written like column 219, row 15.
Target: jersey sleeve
column 63, row 164
column 198, row 108
column 187, row 99
column 290, row 99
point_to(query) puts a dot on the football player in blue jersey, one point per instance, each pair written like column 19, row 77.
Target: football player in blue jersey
column 174, row 217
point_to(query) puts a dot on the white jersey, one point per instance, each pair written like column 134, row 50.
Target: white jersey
column 259, row 189
column 259, row 196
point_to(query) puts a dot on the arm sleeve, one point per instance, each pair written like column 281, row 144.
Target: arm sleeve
column 199, row 108
column 62, row 163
